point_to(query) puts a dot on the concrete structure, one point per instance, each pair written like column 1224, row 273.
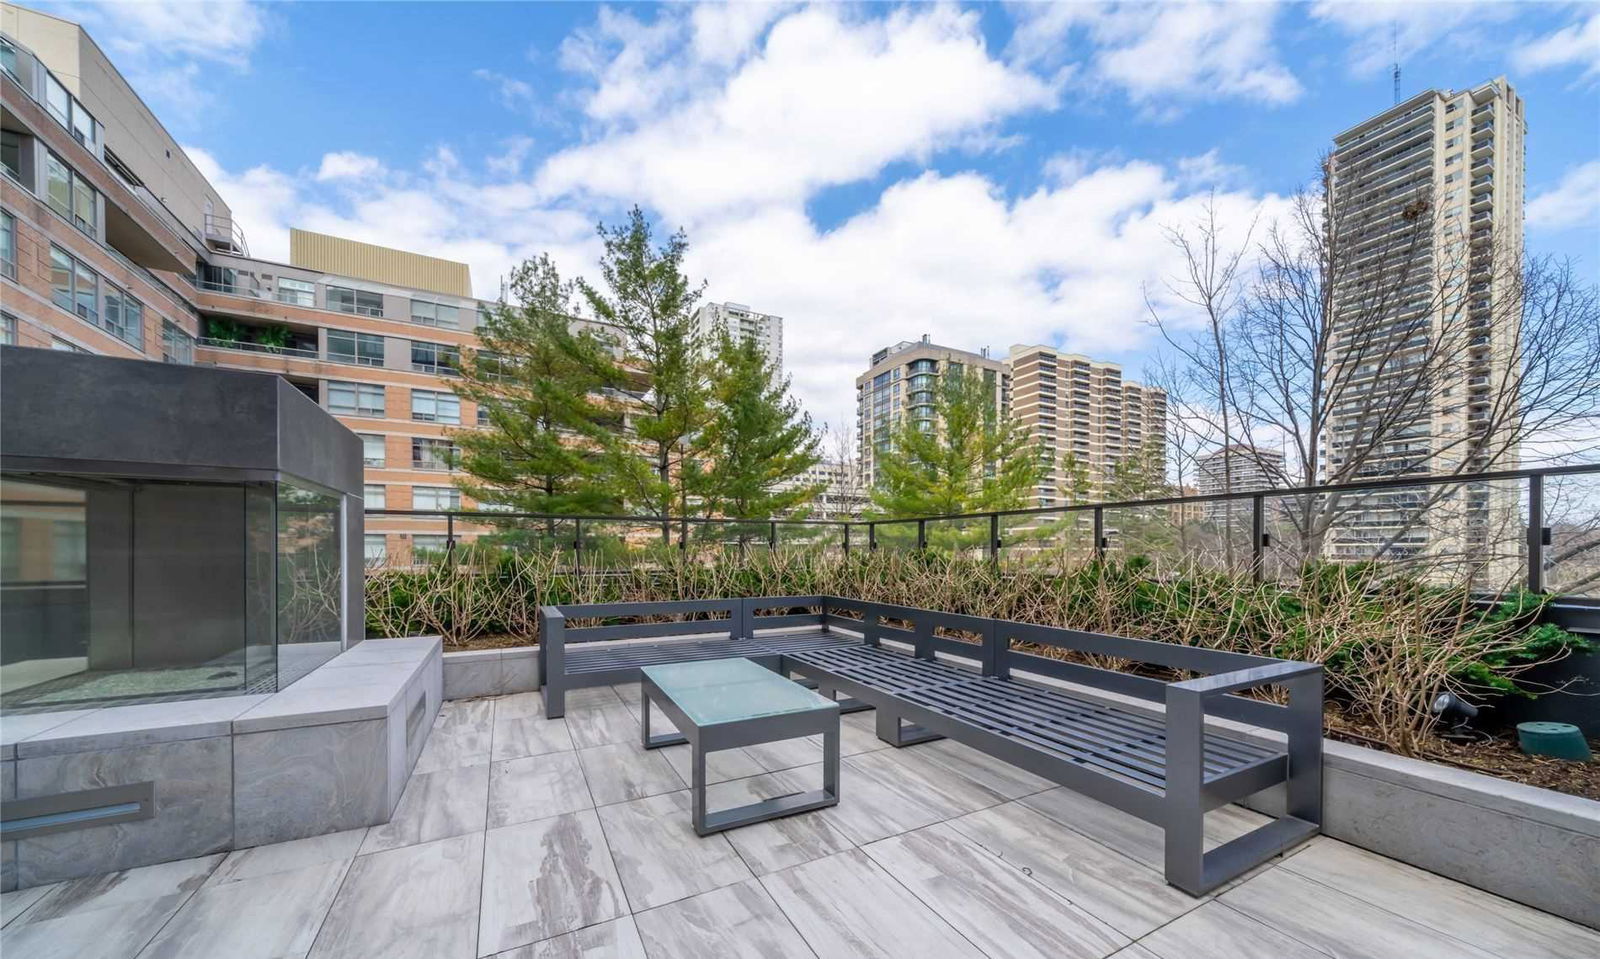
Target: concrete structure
column 114, row 243
column 1082, row 411
column 743, row 323
column 843, row 496
column 899, row 385
column 1426, row 199
column 1237, row 469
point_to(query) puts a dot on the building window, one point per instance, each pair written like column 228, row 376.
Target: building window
column 177, row 346
column 296, row 292
column 434, row 358
column 8, row 330
column 8, row 245
column 70, row 194
column 372, row 451
column 373, row 496
column 435, row 497
column 124, row 317
column 365, row 349
column 431, row 454
column 428, row 545
column 430, row 407
column 435, row 314
column 374, row 547
column 73, row 286
column 57, row 343
column 11, row 154
column 355, row 399
column 355, row 301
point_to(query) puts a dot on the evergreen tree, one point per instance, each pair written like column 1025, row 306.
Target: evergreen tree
column 972, row 460
column 1141, row 530
column 756, row 438
column 651, row 303
column 550, row 430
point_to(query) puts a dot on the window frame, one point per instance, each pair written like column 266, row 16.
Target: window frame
column 358, row 341
column 434, row 399
column 370, row 501
column 452, row 498
column 383, row 450
column 295, row 295
column 431, row 315
column 446, row 358
column 360, row 392
column 333, row 297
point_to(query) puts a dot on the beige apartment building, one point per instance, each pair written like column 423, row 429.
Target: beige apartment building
column 1452, row 160
column 1081, row 410
column 899, row 385
column 112, row 242
column 742, row 324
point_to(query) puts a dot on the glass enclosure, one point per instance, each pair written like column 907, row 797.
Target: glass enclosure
column 121, row 590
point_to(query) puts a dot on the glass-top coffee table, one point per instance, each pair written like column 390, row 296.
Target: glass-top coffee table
column 727, row 703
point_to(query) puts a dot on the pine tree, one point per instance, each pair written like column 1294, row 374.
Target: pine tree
column 541, row 383
column 757, row 437
column 971, row 460
column 649, row 301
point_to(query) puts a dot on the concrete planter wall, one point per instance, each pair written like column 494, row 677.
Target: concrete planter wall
column 491, row 672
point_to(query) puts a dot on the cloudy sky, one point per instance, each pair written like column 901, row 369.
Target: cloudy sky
column 989, row 175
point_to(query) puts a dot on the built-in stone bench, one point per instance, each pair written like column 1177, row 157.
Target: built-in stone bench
column 330, row 752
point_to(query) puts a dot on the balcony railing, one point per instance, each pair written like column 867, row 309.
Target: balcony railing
column 246, row 346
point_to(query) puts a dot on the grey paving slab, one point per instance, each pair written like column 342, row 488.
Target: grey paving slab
column 288, row 856
column 16, row 727
column 603, row 725
column 1131, row 835
column 1002, row 779
column 461, row 736
column 621, row 772
column 265, row 917
column 593, row 697
column 858, row 735
column 627, row 692
column 737, row 922
column 436, row 805
column 658, row 855
column 544, row 879
column 721, row 766
column 617, row 939
column 1338, row 924
column 787, row 841
column 416, row 901
column 16, row 902
column 1216, row 931
column 114, row 932
column 161, row 881
column 1122, row 892
column 519, row 736
column 519, row 706
column 1002, row 911
column 537, row 787
column 846, row 905
column 786, row 753
column 874, row 802
column 1485, row 920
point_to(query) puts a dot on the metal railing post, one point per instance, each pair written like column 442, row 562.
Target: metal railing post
column 1258, row 536
column 683, row 533
column 577, row 546
column 922, row 535
column 449, row 535
column 1099, row 533
column 994, row 536
column 872, row 537
column 846, row 539
column 772, row 535
column 1537, row 533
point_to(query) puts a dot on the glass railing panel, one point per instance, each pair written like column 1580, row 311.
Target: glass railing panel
column 1572, row 516
column 310, row 578
column 821, row 537
column 897, row 535
column 1055, row 540
column 965, row 538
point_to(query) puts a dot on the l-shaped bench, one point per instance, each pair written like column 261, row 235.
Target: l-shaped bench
column 933, row 674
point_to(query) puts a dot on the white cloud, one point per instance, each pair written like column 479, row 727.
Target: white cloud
column 825, row 101
column 1575, row 201
column 1163, row 55
column 348, row 165
column 514, row 94
column 1381, row 31
column 1575, row 45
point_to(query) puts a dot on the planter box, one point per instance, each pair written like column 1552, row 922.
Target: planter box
column 491, row 672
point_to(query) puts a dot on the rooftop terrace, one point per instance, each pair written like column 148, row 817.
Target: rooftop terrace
column 522, row 836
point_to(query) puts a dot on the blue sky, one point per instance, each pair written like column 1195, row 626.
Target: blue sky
column 989, row 175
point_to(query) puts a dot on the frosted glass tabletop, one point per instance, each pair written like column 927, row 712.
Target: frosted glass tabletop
column 728, row 690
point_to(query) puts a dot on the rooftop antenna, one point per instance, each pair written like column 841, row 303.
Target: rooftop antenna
column 1394, row 53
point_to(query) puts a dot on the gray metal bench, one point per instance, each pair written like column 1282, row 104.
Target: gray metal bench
column 1164, row 767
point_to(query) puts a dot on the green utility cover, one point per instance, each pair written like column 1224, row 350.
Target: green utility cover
column 1557, row 740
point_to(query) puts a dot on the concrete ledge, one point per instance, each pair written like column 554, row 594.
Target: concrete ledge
column 491, row 672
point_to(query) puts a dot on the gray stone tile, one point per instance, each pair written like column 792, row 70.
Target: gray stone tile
column 519, row 671
column 1338, row 924
column 1002, row 779
column 8, row 865
column 193, row 806
column 302, row 705
column 1485, row 920
column 617, row 939
column 738, row 922
column 628, row 693
column 471, row 680
column 437, row 805
column 874, row 801
column 519, row 706
column 461, row 736
column 858, row 735
column 778, row 843
column 416, row 901
column 266, row 917
column 1124, row 893
column 16, row 902
column 786, row 753
column 1130, row 835
column 289, row 783
column 114, row 932
column 409, row 649
column 1215, row 931
column 658, row 855
column 845, row 905
column 288, row 856
column 592, row 697
column 940, row 780
column 544, row 879
column 995, row 906
column 721, row 765
column 537, row 787
column 16, row 727
column 623, row 771
column 120, row 727
column 516, row 737
column 602, row 725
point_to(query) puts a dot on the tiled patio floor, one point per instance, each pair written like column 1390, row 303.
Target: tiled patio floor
column 530, row 838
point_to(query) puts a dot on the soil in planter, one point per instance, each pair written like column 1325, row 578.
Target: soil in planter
column 489, row 642
column 1497, row 755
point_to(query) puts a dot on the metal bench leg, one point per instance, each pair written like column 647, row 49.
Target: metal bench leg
column 1185, row 816
column 891, row 731
column 555, row 698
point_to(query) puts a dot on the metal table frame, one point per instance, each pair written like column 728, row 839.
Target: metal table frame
column 823, row 720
